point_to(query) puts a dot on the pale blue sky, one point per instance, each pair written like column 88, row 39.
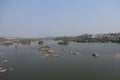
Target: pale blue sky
column 43, row 18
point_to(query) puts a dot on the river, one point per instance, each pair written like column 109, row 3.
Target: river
column 28, row 62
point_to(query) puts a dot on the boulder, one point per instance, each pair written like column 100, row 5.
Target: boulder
column 5, row 61
column 40, row 42
column 44, row 48
column 50, row 55
column 0, row 68
column 74, row 53
column 50, row 51
column 3, row 70
column 95, row 54
column 45, row 55
column 54, row 55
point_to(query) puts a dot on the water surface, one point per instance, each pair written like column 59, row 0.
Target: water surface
column 29, row 64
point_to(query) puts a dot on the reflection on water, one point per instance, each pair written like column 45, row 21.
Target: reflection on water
column 28, row 63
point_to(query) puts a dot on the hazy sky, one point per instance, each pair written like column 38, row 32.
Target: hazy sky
column 43, row 18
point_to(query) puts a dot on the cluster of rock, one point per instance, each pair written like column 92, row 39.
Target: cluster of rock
column 47, row 49
column 44, row 48
column 63, row 42
column 117, row 55
column 50, row 52
column 2, row 70
column 77, row 53
column 50, row 55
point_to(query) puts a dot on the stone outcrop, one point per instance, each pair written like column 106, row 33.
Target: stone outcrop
column 95, row 54
column 74, row 53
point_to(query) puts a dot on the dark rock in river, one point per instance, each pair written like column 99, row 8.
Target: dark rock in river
column 95, row 54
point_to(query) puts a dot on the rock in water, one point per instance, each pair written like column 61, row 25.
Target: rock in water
column 54, row 55
column 95, row 55
column 45, row 55
column 5, row 61
column 0, row 68
column 50, row 51
column 3, row 70
column 44, row 48
column 74, row 53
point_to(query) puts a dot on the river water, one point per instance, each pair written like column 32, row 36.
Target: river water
column 28, row 62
